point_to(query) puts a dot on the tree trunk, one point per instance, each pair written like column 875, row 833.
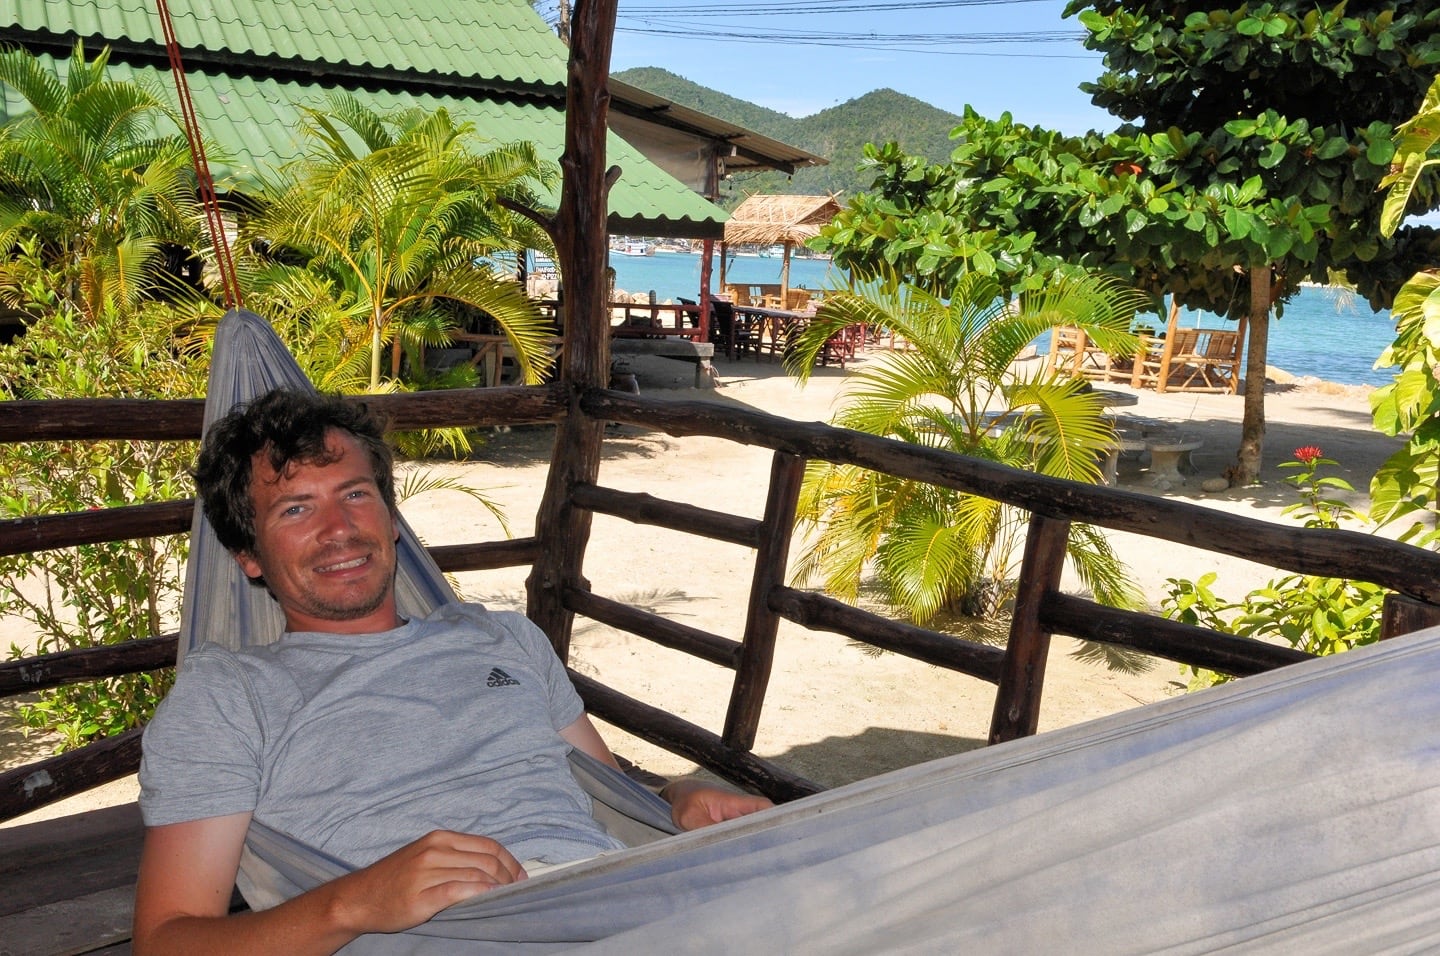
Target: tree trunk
column 375, row 346
column 564, row 530
column 1246, row 470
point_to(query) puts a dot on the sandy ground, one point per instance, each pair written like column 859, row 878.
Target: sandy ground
column 834, row 712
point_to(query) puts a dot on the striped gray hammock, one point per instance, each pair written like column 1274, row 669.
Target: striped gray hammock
column 1296, row 811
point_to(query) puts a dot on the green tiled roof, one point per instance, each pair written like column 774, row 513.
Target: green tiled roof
column 251, row 63
column 484, row 39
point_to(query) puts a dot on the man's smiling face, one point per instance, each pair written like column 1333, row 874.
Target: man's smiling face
column 325, row 541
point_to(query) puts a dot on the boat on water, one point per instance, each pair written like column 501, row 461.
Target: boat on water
column 634, row 247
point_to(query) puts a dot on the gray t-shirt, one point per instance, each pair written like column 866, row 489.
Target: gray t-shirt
column 357, row 744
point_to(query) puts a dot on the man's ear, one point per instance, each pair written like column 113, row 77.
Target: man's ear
column 248, row 564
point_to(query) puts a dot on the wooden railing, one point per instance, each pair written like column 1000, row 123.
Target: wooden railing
column 1017, row 671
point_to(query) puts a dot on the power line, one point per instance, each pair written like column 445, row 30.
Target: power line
column 670, row 21
column 934, row 43
column 846, row 39
column 808, row 7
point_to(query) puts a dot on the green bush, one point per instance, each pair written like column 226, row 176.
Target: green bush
column 1318, row 615
column 103, row 593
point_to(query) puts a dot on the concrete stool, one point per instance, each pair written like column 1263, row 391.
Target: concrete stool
column 1127, row 442
column 1167, row 455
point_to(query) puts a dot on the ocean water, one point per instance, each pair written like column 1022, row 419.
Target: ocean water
column 1326, row 333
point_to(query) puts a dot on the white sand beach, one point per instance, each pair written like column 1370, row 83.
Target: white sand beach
column 834, row 712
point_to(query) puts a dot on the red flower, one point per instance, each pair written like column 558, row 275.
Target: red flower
column 1308, row 454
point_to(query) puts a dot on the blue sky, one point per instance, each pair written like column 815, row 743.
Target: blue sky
column 804, row 56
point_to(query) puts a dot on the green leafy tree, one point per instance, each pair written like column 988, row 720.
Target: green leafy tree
column 96, row 179
column 1260, row 135
column 375, row 238
column 1327, row 615
column 952, row 388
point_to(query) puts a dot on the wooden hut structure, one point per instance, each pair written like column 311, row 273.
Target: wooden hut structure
column 69, row 882
column 777, row 220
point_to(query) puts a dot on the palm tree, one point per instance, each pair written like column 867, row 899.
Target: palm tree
column 388, row 219
column 88, row 185
column 954, row 388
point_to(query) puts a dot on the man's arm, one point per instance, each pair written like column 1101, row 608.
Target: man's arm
column 187, row 871
column 692, row 804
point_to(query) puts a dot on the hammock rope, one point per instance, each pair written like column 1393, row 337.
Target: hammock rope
column 205, row 183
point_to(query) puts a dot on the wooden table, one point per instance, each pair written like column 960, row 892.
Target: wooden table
column 491, row 351
column 645, row 320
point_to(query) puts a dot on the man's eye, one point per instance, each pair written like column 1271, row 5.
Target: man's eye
column 293, row 510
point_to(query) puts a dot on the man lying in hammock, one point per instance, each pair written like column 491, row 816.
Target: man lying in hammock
column 429, row 752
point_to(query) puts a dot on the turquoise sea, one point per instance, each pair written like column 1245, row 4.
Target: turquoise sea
column 1326, row 333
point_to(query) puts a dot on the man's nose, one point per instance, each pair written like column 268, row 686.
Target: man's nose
column 335, row 522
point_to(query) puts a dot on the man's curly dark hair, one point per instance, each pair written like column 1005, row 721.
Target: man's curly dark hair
column 288, row 425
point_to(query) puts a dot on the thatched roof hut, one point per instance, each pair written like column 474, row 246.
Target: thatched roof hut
column 783, row 220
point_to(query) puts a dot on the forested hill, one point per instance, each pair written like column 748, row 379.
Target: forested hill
column 837, row 133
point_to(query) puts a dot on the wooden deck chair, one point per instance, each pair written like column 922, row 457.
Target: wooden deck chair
column 1190, row 359
column 1211, row 363
column 1072, row 353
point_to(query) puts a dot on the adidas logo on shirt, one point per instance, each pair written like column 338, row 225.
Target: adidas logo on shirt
column 499, row 678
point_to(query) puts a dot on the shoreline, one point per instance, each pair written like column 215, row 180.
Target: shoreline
column 834, row 712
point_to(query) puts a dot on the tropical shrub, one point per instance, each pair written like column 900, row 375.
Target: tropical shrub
column 377, row 236
column 1318, row 615
column 95, row 180
column 107, row 593
column 934, row 549
column 96, row 200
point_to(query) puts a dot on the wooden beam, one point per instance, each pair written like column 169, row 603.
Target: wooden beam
column 819, row 612
column 1022, row 675
column 579, row 233
column 742, row 719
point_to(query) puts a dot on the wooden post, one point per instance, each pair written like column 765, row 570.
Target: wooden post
column 707, row 247
column 785, row 276
column 1404, row 615
column 757, row 653
column 1168, row 349
column 580, row 228
column 707, row 250
column 1022, row 673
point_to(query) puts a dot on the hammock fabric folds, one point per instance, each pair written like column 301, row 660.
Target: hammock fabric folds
column 1296, row 811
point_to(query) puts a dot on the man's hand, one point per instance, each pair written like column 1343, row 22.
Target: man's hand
column 694, row 804
column 187, row 871
column 420, row 879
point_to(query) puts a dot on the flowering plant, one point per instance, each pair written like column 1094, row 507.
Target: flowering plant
column 1315, row 614
column 1313, row 508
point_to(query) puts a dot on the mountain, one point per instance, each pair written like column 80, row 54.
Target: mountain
column 837, row 133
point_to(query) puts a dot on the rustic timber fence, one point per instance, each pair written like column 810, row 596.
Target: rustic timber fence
column 1017, row 670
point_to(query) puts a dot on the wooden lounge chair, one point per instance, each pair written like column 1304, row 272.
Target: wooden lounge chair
column 1190, row 359
column 1072, row 352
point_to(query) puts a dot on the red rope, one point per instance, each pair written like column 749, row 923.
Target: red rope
column 206, row 184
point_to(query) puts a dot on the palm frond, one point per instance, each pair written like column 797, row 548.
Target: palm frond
column 415, row 482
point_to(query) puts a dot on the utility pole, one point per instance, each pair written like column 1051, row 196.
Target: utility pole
column 562, row 27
